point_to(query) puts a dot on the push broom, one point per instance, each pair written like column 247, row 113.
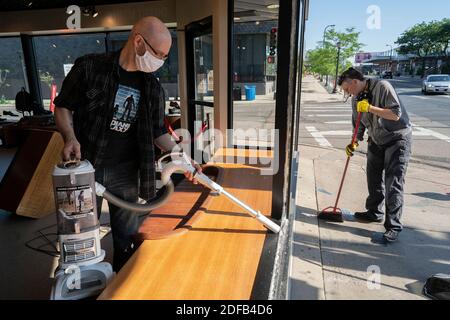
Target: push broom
column 334, row 213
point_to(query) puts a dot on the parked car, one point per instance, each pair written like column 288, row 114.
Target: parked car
column 436, row 83
column 386, row 75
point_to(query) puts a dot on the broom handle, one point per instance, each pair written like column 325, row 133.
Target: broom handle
column 348, row 161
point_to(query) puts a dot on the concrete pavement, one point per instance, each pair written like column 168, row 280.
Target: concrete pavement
column 349, row 260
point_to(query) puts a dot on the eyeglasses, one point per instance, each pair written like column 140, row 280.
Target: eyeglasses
column 164, row 57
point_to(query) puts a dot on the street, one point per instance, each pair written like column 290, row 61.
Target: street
column 329, row 125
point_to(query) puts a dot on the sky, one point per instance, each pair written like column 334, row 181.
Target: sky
column 395, row 17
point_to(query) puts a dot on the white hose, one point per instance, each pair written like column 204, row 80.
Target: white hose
column 183, row 164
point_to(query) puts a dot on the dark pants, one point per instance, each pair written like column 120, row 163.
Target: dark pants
column 122, row 181
column 393, row 159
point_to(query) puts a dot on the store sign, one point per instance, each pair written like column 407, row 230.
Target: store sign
column 363, row 56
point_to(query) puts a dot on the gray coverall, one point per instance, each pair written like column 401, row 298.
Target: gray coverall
column 389, row 150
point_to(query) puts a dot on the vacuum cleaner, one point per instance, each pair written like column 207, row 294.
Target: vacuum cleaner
column 81, row 272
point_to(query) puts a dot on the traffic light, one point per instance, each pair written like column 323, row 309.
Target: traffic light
column 273, row 42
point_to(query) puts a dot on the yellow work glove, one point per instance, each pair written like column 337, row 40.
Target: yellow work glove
column 351, row 148
column 363, row 106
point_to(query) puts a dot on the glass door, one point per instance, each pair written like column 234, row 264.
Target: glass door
column 199, row 48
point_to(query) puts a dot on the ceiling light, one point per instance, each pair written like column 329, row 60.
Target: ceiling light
column 237, row 18
column 273, row 6
column 30, row 3
column 89, row 11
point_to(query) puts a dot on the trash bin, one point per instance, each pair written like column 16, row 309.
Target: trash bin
column 237, row 93
column 250, row 92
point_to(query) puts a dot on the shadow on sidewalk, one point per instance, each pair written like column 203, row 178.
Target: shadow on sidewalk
column 348, row 249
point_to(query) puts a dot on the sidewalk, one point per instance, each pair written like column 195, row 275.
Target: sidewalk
column 335, row 261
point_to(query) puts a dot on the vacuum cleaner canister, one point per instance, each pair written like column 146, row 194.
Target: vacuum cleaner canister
column 76, row 207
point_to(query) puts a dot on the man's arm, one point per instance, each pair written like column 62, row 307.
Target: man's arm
column 387, row 114
column 64, row 123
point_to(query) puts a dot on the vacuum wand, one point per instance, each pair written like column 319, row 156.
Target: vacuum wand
column 256, row 214
column 183, row 163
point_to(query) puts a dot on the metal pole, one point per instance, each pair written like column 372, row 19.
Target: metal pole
column 337, row 68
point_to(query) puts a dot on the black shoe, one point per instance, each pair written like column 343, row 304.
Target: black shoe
column 390, row 236
column 367, row 216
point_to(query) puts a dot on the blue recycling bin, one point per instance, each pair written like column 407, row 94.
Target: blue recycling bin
column 250, row 92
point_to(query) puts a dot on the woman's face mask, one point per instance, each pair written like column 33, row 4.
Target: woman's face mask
column 148, row 63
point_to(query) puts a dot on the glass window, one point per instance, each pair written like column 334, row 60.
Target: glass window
column 254, row 72
column 56, row 54
column 168, row 73
column 12, row 75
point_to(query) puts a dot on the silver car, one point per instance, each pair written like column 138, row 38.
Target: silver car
column 436, row 83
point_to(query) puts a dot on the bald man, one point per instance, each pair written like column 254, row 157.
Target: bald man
column 89, row 114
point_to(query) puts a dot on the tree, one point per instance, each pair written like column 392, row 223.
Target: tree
column 322, row 60
column 46, row 78
column 443, row 36
column 425, row 39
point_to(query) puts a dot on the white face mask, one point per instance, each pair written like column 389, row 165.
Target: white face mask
column 148, row 63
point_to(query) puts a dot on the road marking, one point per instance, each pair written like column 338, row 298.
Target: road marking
column 429, row 132
column 318, row 137
column 328, row 108
column 419, row 97
column 338, row 122
column 336, row 133
column 323, row 110
column 328, row 115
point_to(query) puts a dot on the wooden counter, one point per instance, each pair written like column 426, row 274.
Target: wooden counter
column 216, row 259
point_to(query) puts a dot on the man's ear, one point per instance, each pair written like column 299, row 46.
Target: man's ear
column 137, row 41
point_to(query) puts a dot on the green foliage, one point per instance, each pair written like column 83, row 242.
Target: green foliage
column 46, row 78
column 425, row 39
column 3, row 99
column 322, row 60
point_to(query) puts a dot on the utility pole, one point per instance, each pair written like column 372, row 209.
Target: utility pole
column 337, row 66
column 390, row 57
column 324, row 31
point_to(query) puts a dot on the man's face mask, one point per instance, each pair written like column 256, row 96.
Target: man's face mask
column 148, row 63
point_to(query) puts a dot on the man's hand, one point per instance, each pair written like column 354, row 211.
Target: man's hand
column 190, row 176
column 363, row 106
column 71, row 149
column 351, row 148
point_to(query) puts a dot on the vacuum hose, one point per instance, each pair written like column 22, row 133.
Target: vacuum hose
column 180, row 162
column 137, row 207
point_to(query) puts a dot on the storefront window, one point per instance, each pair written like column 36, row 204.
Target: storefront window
column 12, row 74
column 56, row 54
column 254, row 73
column 167, row 74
